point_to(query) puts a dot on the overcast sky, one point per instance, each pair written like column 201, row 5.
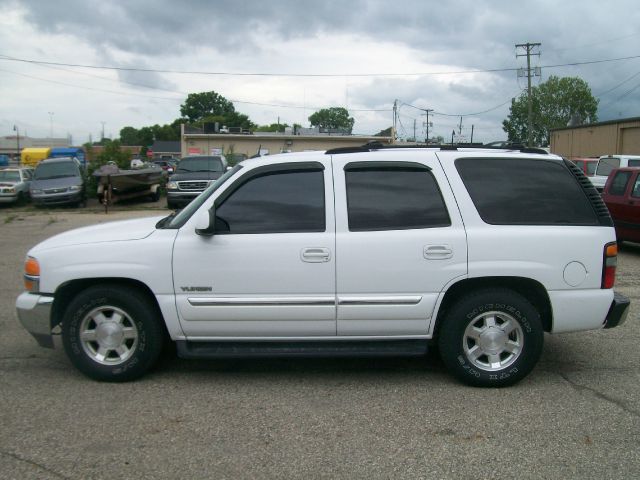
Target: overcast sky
column 358, row 54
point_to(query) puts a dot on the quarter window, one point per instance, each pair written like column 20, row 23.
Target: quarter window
column 510, row 191
column 275, row 202
column 393, row 197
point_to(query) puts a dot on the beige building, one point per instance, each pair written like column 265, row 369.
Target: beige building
column 268, row 143
column 603, row 138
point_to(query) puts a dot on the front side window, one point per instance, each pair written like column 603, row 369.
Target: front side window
column 520, row 191
column 388, row 197
column 281, row 201
column 619, row 183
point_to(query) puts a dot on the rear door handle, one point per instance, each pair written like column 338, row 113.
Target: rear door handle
column 315, row 255
column 437, row 252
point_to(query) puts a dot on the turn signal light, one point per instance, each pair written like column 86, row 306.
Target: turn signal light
column 609, row 264
column 31, row 275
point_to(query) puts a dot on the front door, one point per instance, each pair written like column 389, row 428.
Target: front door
column 269, row 269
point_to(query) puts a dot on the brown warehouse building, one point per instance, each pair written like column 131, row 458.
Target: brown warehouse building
column 596, row 139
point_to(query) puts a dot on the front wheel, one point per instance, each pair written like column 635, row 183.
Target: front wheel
column 491, row 338
column 112, row 333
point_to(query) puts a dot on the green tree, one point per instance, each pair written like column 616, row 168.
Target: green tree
column 334, row 117
column 129, row 136
column 205, row 104
column 555, row 103
column 274, row 127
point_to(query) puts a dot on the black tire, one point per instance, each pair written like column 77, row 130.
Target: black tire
column 21, row 200
column 112, row 333
column 491, row 338
column 155, row 196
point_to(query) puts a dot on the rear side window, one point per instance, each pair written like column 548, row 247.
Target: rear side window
column 634, row 163
column 619, row 183
column 591, row 168
column 513, row 191
column 393, row 197
column 606, row 165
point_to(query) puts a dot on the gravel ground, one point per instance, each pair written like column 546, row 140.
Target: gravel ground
column 576, row 416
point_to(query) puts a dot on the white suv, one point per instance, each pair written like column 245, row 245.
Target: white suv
column 357, row 251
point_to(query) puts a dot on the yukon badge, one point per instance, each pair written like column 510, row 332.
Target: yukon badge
column 196, row 289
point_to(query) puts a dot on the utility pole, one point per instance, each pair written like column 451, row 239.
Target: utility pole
column 460, row 127
column 528, row 48
column 414, row 130
column 426, row 124
column 102, row 137
column 50, row 124
column 395, row 119
column 17, row 130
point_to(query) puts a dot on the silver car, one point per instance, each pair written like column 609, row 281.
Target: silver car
column 14, row 184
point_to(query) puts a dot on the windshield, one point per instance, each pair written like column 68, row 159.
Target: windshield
column 45, row 171
column 200, row 164
column 9, row 176
column 176, row 220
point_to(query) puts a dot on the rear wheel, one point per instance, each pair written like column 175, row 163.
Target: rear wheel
column 491, row 338
column 112, row 333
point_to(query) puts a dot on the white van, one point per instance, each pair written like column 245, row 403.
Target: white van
column 607, row 163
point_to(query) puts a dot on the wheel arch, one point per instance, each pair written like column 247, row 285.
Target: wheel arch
column 530, row 289
column 68, row 290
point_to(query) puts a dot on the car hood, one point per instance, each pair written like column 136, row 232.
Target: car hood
column 10, row 183
column 181, row 176
column 55, row 183
column 107, row 232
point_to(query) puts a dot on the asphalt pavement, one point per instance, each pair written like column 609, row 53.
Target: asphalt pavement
column 576, row 416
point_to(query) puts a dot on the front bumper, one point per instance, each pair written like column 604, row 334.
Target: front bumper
column 618, row 311
column 181, row 198
column 57, row 198
column 34, row 312
column 8, row 197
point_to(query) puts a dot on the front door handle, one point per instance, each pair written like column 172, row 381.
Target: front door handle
column 437, row 252
column 315, row 255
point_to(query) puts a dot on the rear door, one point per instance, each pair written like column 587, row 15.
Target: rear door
column 399, row 241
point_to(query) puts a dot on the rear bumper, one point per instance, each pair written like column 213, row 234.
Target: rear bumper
column 34, row 312
column 618, row 311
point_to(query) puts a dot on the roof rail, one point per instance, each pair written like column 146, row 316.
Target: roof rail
column 367, row 147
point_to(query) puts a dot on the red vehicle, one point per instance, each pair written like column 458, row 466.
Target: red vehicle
column 587, row 165
column 622, row 196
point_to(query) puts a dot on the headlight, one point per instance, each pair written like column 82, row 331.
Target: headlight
column 75, row 188
column 31, row 275
column 172, row 186
column 36, row 191
column 10, row 190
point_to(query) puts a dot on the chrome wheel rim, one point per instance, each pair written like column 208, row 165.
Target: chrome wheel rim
column 493, row 341
column 108, row 335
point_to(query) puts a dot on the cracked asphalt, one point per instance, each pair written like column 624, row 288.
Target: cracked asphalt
column 576, row 416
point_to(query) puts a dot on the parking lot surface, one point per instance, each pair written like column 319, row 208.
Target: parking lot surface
column 576, row 416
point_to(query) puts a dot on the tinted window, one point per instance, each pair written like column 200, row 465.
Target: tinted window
column 591, row 168
column 619, row 183
column 277, row 202
column 200, row 164
column 636, row 188
column 393, row 198
column 525, row 192
column 606, row 165
column 634, row 163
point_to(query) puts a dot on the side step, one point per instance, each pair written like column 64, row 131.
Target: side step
column 309, row 349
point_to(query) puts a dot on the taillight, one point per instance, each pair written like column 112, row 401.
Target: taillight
column 609, row 264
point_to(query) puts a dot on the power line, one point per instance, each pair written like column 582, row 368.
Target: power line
column 282, row 74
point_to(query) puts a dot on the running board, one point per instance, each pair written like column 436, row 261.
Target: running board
column 310, row 349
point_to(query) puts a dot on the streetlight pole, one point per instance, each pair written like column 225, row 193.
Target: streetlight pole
column 17, row 130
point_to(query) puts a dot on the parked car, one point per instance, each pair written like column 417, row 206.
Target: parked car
column 622, row 196
column 587, row 165
column 192, row 176
column 607, row 163
column 168, row 166
column 14, row 184
column 58, row 181
column 369, row 251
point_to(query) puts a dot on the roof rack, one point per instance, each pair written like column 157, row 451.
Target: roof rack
column 371, row 146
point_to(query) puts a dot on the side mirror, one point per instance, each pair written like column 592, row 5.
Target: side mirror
column 205, row 225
